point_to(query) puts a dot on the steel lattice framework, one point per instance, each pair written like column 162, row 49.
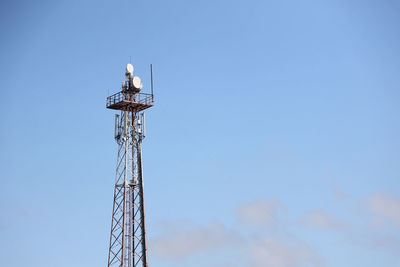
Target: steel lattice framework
column 128, row 243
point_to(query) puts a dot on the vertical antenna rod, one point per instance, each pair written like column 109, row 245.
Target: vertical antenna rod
column 151, row 78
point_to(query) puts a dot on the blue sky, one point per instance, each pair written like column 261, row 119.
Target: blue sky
column 274, row 141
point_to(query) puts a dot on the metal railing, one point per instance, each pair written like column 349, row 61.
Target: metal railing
column 140, row 98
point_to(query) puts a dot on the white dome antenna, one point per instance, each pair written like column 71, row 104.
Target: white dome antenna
column 137, row 83
column 129, row 69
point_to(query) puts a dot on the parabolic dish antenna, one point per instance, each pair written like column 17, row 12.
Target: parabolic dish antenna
column 129, row 68
column 137, row 82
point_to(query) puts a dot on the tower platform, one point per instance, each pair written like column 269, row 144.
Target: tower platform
column 130, row 101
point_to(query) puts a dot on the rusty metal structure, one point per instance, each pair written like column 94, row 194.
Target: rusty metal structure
column 128, row 243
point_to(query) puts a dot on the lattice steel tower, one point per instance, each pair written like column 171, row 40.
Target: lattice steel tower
column 128, row 243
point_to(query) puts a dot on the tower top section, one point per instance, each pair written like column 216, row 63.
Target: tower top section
column 130, row 98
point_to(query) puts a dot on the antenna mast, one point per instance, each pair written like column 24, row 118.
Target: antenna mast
column 128, row 240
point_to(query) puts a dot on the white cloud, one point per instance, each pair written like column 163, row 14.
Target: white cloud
column 386, row 206
column 182, row 241
column 238, row 245
column 389, row 243
column 338, row 194
column 179, row 243
column 375, row 226
column 260, row 212
column 273, row 252
column 322, row 219
column 251, row 246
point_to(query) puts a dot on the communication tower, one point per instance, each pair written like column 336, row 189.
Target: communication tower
column 128, row 243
